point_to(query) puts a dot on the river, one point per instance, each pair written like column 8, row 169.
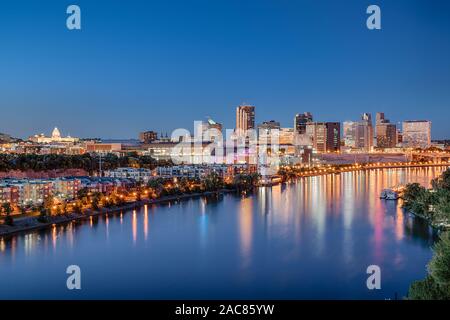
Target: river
column 312, row 239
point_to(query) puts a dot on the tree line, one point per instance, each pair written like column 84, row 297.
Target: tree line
column 87, row 162
column 433, row 204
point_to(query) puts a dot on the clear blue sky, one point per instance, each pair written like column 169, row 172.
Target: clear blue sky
column 161, row 65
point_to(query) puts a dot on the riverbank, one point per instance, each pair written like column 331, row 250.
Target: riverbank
column 31, row 223
column 364, row 167
column 431, row 204
column 434, row 225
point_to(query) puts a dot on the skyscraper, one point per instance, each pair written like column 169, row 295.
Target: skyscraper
column 417, row 134
column 350, row 128
column 245, row 118
column 325, row 136
column 364, row 133
column 386, row 132
column 379, row 118
column 300, row 121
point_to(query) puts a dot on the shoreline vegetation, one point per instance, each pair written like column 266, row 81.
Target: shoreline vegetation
column 159, row 190
column 32, row 223
column 434, row 206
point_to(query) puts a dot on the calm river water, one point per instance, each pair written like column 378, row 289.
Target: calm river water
column 312, row 239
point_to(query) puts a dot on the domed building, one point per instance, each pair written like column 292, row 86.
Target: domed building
column 56, row 134
column 56, row 137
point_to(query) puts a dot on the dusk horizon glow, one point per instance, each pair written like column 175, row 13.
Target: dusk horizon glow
column 158, row 66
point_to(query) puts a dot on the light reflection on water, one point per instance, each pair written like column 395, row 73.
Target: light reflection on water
column 310, row 239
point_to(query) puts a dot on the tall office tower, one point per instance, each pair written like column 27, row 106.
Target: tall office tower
column 350, row 128
column 417, row 134
column 245, row 119
column 379, row 118
column 364, row 133
column 399, row 136
column 301, row 120
column 386, row 135
column 386, row 132
column 325, row 136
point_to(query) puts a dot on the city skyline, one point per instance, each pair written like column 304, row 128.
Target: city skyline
column 42, row 137
column 286, row 59
column 225, row 157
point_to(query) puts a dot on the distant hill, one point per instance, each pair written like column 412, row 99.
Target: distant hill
column 5, row 137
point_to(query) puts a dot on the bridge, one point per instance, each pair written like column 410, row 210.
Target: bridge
column 434, row 156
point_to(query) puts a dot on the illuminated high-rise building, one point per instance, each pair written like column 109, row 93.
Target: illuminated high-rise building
column 325, row 136
column 350, row 128
column 364, row 133
column 417, row 134
column 386, row 132
column 245, row 118
column 301, row 120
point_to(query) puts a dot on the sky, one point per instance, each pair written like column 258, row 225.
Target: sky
column 161, row 64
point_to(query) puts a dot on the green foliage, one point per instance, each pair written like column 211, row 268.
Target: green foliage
column 7, row 210
column 212, row 182
column 43, row 214
column 439, row 267
column 436, row 286
column 418, row 199
column 427, row 289
column 87, row 162
column 96, row 198
column 442, row 205
column 82, row 193
column 156, row 186
column 246, row 182
column 443, row 182
column 411, row 193
column 78, row 207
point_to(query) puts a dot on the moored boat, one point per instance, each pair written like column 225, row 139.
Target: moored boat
column 389, row 194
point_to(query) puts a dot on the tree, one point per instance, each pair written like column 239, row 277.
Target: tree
column 48, row 204
column 442, row 205
column 443, row 182
column 95, row 200
column 23, row 209
column 426, row 289
column 412, row 190
column 78, row 207
column 436, row 286
column 439, row 267
column 7, row 210
column 156, row 185
column 246, row 182
column 82, row 193
column 64, row 209
column 417, row 199
column 43, row 214
column 212, row 182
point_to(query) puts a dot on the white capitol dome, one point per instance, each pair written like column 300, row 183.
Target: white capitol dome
column 56, row 134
